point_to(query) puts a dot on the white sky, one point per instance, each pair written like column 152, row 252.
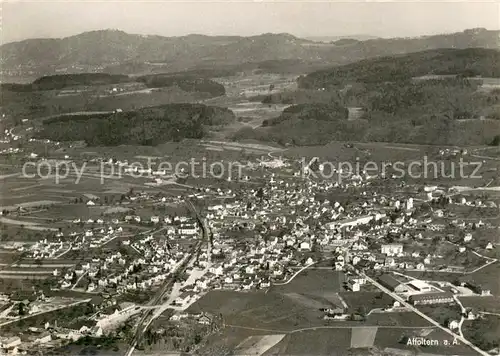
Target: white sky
column 36, row 19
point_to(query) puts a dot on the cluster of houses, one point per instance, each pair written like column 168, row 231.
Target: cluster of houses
column 118, row 273
column 50, row 335
column 262, row 235
column 75, row 240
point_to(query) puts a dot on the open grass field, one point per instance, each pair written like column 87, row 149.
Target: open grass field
column 257, row 345
column 309, row 301
column 8, row 257
column 484, row 332
column 366, row 300
column 227, row 340
column 489, row 304
column 376, row 152
column 396, row 319
column 261, row 310
column 314, row 342
column 314, row 282
column 442, row 313
column 363, row 337
column 487, row 278
column 397, row 338
column 8, row 285
column 251, row 85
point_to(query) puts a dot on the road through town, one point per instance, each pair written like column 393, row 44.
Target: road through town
column 151, row 314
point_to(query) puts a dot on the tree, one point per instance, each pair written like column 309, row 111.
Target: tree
column 20, row 308
column 362, row 310
column 260, row 193
column 74, row 278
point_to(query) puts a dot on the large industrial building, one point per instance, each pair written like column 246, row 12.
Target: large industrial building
column 431, row 298
column 392, row 284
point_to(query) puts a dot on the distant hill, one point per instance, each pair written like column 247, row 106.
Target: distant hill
column 329, row 39
column 64, row 93
column 468, row 62
column 62, row 81
column 193, row 81
column 96, row 50
column 265, row 47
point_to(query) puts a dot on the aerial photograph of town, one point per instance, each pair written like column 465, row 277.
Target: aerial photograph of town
column 249, row 178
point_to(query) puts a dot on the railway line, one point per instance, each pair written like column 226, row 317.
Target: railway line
column 149, row 313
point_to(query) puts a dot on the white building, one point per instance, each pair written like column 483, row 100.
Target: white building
column 409, row 204
column 392, row 249
column 420, row 286
column 353, row 285
column 11, row 342
column 305, row 246
column 188, row 229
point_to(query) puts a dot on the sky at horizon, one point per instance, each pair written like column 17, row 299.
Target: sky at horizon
column 43, row 19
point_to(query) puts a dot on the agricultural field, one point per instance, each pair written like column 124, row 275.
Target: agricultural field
column 404, row 319
column 226, row 340
column 397, row 339
column 489, row 304
column 443, row 314
column 366, row 301
column 484, row 332
column 363, row 337
column 487, row 278
column 260, row 310
column 315, row 282
column 257, row 345
column 314, row 342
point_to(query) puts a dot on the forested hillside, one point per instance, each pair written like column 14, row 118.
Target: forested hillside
column 432, row 97
column 468, row 62
column 148, row 126
column 186, row 82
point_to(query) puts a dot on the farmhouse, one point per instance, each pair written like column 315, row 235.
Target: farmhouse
column 184, row 298
column 353, row 285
